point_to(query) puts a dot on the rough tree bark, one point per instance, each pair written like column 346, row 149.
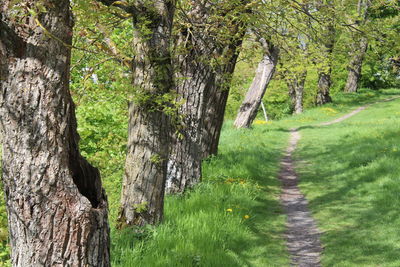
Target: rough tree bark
column 218, row 94
column 296, row 90
column 142, row 197
column 194, row 78
column 57, row 209
column 359, row 49
column 201, row 83
column 264, row 73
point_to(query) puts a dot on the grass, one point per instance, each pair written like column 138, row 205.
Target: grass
column 232, row 219
column 350, row 172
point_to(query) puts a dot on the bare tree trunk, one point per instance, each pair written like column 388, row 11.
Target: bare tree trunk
column 218, row 94
column 359, row 51
column 142, row 198
column 324, row 86
column 198, row 79
column 265, row 71
column 324, row 74
column 57, row 209
column 355, row 66
column 195, row 77
column 296, row 90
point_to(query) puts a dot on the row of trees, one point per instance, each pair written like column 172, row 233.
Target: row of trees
column 180, row 57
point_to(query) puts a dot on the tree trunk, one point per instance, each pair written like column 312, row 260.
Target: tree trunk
column 324, row 74
column 195, row 77
column 265, row 71
column 358, row 53
column 198, row 78
column 218, row 94
column 296, row 90
column 57, row 209
column 355, row 66
column 142, row 197
column 324, row 86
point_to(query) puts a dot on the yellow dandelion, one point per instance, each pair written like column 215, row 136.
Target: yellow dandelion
column 246, row 217
column 229, row 210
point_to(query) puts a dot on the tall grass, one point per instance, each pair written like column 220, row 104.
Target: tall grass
column 233, row 218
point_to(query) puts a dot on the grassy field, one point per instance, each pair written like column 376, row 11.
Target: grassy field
column 350, row 172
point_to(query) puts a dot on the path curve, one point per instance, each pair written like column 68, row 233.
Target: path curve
column 302, row 234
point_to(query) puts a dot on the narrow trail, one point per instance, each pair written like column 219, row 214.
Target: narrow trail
column 302, row 234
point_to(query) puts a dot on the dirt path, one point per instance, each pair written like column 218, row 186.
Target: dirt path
column 302, row 234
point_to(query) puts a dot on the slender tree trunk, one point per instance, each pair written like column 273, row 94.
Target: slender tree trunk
column 142, row 198
column 296, row 91
column 355, row 66
column 57, row 209
column 265, row 71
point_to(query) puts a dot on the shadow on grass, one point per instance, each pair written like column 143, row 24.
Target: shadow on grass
column 360, row 201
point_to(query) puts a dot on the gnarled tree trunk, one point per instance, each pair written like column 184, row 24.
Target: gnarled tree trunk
column 57, row 209
column 265, row 71
column 296, row 90
column 142, row 197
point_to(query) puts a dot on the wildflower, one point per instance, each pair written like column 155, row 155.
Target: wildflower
column 246, row 217
column 229, row 210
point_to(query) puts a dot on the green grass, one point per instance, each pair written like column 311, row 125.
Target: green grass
column 350, row 172
column 200, row 230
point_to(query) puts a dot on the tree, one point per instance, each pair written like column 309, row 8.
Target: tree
column 264, row 73
column 295, row 83
column 219, row 92
column 149, row 130
column 328, row 42
column 57, row 209
column 205, row 29
column 359, row 48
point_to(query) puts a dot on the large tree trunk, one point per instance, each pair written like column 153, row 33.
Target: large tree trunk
column 194, row 78
column 218, row 95
column 142, row 198
column 57, row 209
column 296, row 90
column 355, row 66
column 265, row 71
column 198, row 79
column 359, row 50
